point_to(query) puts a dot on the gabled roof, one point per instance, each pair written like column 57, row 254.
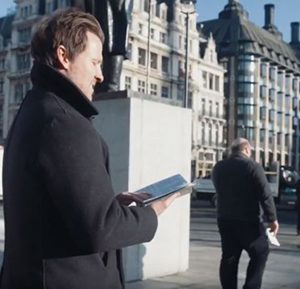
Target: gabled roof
column 230, row 32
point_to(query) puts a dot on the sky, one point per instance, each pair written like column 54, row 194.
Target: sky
column 286, row 11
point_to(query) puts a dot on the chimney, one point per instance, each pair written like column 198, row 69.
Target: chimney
column 269, row 15
column 295, row 28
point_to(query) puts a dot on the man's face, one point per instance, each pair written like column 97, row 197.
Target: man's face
column 85, row 69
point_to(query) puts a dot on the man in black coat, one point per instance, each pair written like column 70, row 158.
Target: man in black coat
column 63, row 226
column 243, row 195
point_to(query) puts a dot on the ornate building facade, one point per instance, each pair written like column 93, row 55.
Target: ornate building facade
column 162, row 44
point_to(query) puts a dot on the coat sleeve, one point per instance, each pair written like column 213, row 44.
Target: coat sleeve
column 264, row 193
column 75, row 175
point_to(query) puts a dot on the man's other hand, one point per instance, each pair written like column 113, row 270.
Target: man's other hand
column 274, row 227
column 160, row 206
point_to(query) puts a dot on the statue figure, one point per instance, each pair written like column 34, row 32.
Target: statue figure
column 114, row 26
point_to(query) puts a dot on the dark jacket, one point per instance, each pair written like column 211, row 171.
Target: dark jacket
column 63, row 226
column 243, row 192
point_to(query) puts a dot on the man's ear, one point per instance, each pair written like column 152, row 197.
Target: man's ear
column 62, row 57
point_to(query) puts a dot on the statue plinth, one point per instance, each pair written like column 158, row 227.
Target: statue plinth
column 110, row 95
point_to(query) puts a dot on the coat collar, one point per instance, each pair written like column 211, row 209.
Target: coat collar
column 49, row 78
column 239, row 155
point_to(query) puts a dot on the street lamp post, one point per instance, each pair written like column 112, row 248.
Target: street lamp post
column 187, row 10
column 148, row 46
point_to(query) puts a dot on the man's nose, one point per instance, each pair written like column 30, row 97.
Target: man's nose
column 99, row 75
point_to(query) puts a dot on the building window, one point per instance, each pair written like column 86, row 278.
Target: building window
column 217, row 83
column 203, row 134
column 217, row 109
column 164, row 14
column 2, row 63
column 142, row 56
column 152, row 33
column 49, row 7
column 24, row 35
column 153, row 59
column 272, row 93
column 210, row 134
column 129, row 51
column 203, row 106
column 210, row 108
column 295, row 84
column 181, row 73
column 163, row 37
column 180, row 41
column 153, row 89
column 288, row 83
column 190, row 100
column 263, row 91
column 217, row 136
column 263, row 113
column 140, row 29
column 204, row 79
column 165, row 64
column 141, row 86
column 180, row 92
column 287, row 103
column 26, row 11
column 146, row 5
column 262, row 136
column 271, row 115
column 157, row 12
column 272, row 73
column 164, row 92
column 263, row 70
column 280, row 81
column 127, row 82
column 18, row 92
column 211, row 81
column 1, row 85
column 23, row 61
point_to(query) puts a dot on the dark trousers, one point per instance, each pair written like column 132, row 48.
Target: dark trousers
column 237, row 236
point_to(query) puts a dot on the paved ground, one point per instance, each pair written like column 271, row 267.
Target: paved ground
column 282, row 270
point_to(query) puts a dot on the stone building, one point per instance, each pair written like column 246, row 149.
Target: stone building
column 261, row 83
column 163, row 79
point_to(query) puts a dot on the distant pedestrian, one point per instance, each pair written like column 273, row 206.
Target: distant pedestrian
column 298, row 206
column 243, row 195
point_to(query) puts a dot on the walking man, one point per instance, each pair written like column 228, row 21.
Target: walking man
column 243, row 196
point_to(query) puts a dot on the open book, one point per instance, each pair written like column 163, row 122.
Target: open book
column 166, row 187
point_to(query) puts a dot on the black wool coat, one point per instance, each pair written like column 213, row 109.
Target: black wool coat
column 243, row 192
column 63, row 225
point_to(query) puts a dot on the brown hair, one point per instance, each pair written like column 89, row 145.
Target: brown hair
column 66, row 27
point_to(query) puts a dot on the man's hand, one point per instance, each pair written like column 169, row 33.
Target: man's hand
column 126, row 198
column 274, row 227
column 160, row 206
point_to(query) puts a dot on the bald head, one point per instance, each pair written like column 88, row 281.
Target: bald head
column 241, row 145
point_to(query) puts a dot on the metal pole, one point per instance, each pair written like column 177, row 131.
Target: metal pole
column 186, row 83
column 148, row 47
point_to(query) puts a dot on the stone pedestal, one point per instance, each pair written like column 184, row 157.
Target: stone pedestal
column 148, row 141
